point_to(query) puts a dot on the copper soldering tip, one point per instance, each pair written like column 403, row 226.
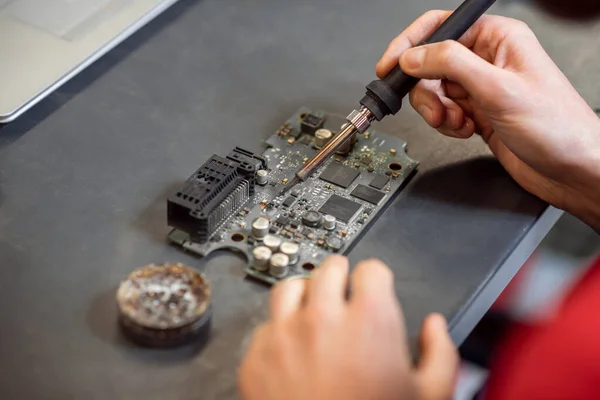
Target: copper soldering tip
column 289, row 185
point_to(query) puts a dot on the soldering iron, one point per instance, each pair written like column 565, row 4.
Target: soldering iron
column 384, row 97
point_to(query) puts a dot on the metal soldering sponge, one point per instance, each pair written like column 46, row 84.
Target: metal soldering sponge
column 165, row 305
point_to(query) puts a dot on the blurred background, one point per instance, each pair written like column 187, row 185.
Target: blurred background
column 563, row 256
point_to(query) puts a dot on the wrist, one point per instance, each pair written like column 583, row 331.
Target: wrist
column 587, row 197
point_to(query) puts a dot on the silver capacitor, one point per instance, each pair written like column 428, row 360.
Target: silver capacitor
column 322, row 136
column 272, row 242
column 278, row 265
column 291, row 250
column 260, row 227
column 260, row 258
column 348, row 144
column 329, row 222
column 262, row 177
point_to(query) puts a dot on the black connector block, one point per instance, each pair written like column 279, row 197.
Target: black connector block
column 213, row 193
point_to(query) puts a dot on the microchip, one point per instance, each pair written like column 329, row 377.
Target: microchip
column 288, row 202
column 366, row 159
column 341, row 208
column 295, row 193
column 282, row 221
column 295, row 223
column 295, row 133
column 367, row 194
column 379, row 182
column 305, row 140
column 339, row 175
column 310, row 123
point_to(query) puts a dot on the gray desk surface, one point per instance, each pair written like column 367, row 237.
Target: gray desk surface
column 84, row 175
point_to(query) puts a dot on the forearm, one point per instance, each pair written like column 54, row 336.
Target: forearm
column 586, row 201
column 589, row 209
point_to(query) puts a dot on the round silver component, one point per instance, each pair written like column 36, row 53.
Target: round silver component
column 262, row 177
column 329, row 222
column 272, row 242
column 347, row 146
column 278, row 265
column 260, row 227
column 322, row 136
column 311, row 218
column 260, row 258
column 291, row 250
column 335, row 243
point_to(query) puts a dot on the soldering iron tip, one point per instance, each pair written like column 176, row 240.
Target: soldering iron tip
column 289, row 185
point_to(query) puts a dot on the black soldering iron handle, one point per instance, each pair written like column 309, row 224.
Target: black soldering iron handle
column 384, row 97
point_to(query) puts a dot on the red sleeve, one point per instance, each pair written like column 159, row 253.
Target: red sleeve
column 556, row 359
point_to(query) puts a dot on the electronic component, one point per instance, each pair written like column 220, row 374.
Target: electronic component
column 310, row 123
column 334, row 243
column 367, row 194
column 379, row 182
column 283, row 221
column 366, row 159
column 313, row 215
column 341, row 208
column 260, row 227
column 291, row 250
column 216, row 190
column 339, row 175
column 164, row 305
column 288, row 202
column 260, row 258
column 278, row 265
column 272, row 242
column 311, row 218
column 295, row 133
column 322, row 136
column 347, row 146
column 262, row 177
column 329, row 222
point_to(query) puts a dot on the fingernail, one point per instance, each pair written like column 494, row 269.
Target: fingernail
column 467, row 129
column 413, row 58
column 426, row 113
column 439, row 321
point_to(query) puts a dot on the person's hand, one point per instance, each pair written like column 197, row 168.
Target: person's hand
column 498, row 81
column 321, row 345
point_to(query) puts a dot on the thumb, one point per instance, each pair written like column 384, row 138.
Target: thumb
column 439, row 360
column 453, row 61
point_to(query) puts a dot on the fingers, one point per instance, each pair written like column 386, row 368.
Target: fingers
column 454, row 90
column 328, row 284
column 287, row 297
column 453, row 61
column 439, row 360
column 487, row 32
column 372, row 282
column 420, row 29
column 440, row 111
